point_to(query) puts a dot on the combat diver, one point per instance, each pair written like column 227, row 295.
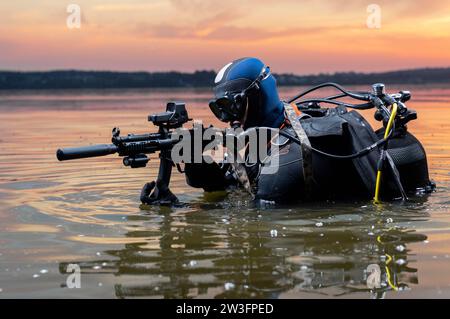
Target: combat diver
column 314, row 146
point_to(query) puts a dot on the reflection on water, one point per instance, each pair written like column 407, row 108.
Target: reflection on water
column 247, row 255
column 217, row 245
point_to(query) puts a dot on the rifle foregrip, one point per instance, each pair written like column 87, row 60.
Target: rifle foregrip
column 71, row 153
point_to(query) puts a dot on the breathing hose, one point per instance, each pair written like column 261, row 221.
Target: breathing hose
column 360, row 153
column 389, row 125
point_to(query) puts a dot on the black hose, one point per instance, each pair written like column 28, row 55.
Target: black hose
column 363, row 106
column 358, row 96
column 360, row 153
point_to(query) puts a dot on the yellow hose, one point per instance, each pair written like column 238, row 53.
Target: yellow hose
column 376, row 197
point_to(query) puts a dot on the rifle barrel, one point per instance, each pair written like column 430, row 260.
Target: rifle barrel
column 71, row 153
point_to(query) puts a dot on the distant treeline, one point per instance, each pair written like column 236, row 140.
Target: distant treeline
column 73, row 79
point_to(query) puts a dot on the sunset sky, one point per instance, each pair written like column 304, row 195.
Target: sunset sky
column 299, row 36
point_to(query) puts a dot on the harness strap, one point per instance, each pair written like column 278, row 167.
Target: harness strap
column 292, row 114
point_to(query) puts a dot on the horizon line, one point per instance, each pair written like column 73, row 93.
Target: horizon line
column 212, row 70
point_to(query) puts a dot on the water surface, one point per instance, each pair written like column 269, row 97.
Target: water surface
column 87, row 212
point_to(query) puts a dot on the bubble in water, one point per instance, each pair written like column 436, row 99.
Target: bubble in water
column 96, row 267
column 229, row 286
column 36, row 276
column 304, row 267
column 273, row 233
column 100, row 284
column 389, row 220
column 98, row 253
column 44, row 271
column 192, row 263
column 400, row 248
column 319, row 224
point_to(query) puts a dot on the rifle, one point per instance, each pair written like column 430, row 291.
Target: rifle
column 135, row 147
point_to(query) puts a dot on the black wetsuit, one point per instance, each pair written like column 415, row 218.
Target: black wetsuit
column 334, row 131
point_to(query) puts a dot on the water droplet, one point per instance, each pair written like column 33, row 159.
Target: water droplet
column 97, row 267
column 100, row 284
column 304, row 267
column 245, row 287
column 319, row 224
column 156, row 288
column 400, row 262
column 98, row 253
column 284, row 228
column 104, row 264
column 273, row 233
column 229, row 286
column 44, row 271
column 400, row 248
column 192, row 263
column 426, row 241
column 36, row 276
column 322, row 234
